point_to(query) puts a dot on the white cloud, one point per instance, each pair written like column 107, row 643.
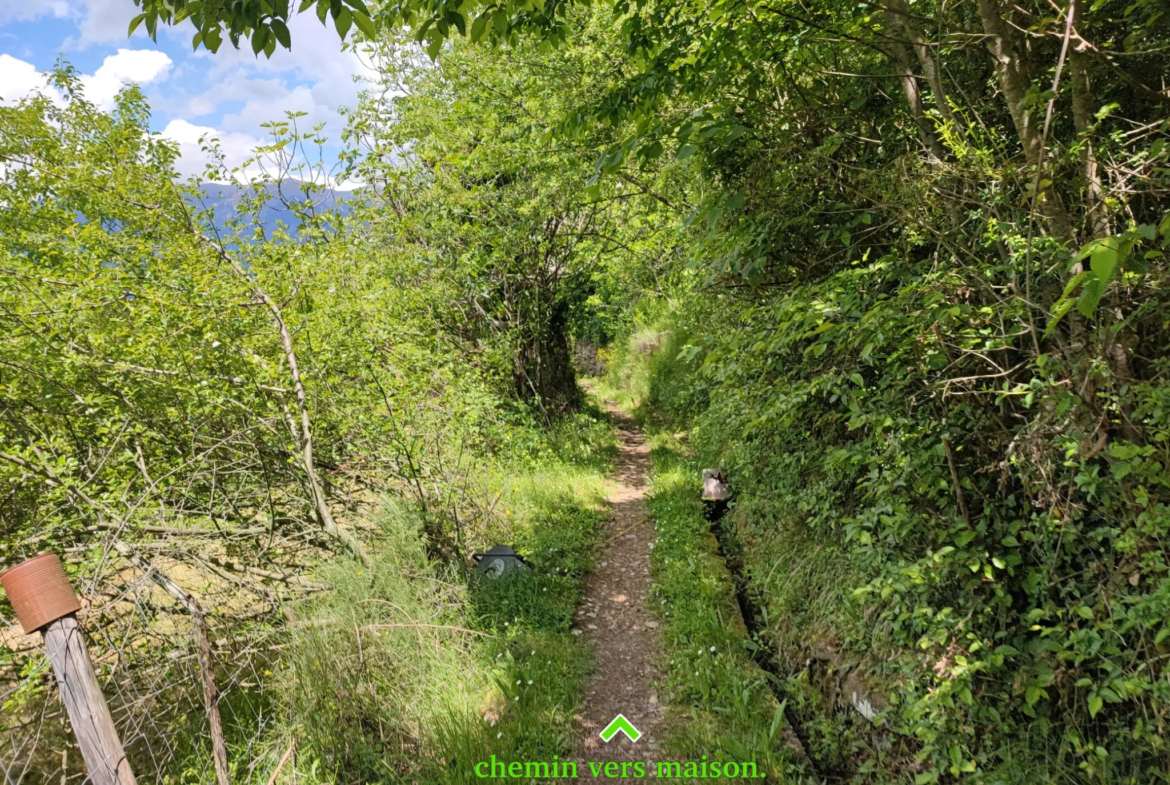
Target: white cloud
column 19, row 79
column 236, row 147
column 316, row 77
column 27, row 10
column 116, row 71
column 105, row 21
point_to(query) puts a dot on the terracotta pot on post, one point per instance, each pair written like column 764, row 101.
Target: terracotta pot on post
column 44, row 601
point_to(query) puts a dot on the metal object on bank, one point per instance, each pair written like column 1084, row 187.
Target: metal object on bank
column 40, row 594
column 499, row 560
column 715, row 485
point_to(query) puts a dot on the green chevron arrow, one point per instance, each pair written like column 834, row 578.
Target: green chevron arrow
column 620, row 723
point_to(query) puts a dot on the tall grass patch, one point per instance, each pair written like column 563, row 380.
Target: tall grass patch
column 415, row 670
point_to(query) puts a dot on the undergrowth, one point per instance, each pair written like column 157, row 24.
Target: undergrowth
column 415, row 670
column 993, row 584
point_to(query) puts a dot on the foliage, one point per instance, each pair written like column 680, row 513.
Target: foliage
column 263, row 23
column 900, row 268
column 924, row 342
column 464, row 184
column 223, row 402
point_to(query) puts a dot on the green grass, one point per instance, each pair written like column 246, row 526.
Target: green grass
column 413, row 671
column 720, row 701
column 435, row 702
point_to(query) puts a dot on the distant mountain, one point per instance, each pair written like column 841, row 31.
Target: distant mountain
column 223, row 201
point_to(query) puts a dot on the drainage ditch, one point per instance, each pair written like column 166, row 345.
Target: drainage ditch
column 731, row 550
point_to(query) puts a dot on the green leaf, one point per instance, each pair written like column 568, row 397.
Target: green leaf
column 1059, row 310
column 343, row 22
column 280, row 30
column 365, row 24
column 651, row 151
column 500, row 21
column 1032, row 694
column 1104, row 261
column 212, row 39
column 478, row 27
column 1095, row 705
column 1073, row 283
column 1091, row 294
column 134, row 24
column 455, row 18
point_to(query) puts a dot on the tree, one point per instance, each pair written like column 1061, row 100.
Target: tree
column 468, row 183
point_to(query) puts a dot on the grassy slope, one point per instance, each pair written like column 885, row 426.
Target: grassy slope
column 411, row 673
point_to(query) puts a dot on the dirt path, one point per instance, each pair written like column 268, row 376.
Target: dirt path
column 615, row 619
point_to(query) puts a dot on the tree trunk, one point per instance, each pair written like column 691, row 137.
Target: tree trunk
column 1015, row 83
column 901, row 59
column 1082, row 104
column 543, row 369
column 930, row 64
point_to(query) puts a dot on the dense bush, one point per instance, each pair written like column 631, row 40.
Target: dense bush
column 996, row 563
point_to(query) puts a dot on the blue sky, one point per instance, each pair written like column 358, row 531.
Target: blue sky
column 228, row 94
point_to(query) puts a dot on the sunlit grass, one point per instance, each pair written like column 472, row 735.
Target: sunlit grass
column 414, row 671
column 720, row 701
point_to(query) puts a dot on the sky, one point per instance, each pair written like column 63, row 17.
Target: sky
column 191, row 93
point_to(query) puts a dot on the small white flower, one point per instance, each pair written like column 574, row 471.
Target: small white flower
column 530, row 681
column 516, row 698
column 532, row 652
column 498, row 735
column 517, row 681
column 712, row 649
column 493, row 723
column 214, row 344
column 700, row 652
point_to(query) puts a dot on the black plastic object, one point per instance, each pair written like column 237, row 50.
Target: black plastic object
column 498, row 561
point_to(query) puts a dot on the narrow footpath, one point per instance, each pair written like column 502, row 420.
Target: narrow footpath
column 615, row 618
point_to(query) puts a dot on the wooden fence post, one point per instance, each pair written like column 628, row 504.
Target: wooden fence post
column 43, row 600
